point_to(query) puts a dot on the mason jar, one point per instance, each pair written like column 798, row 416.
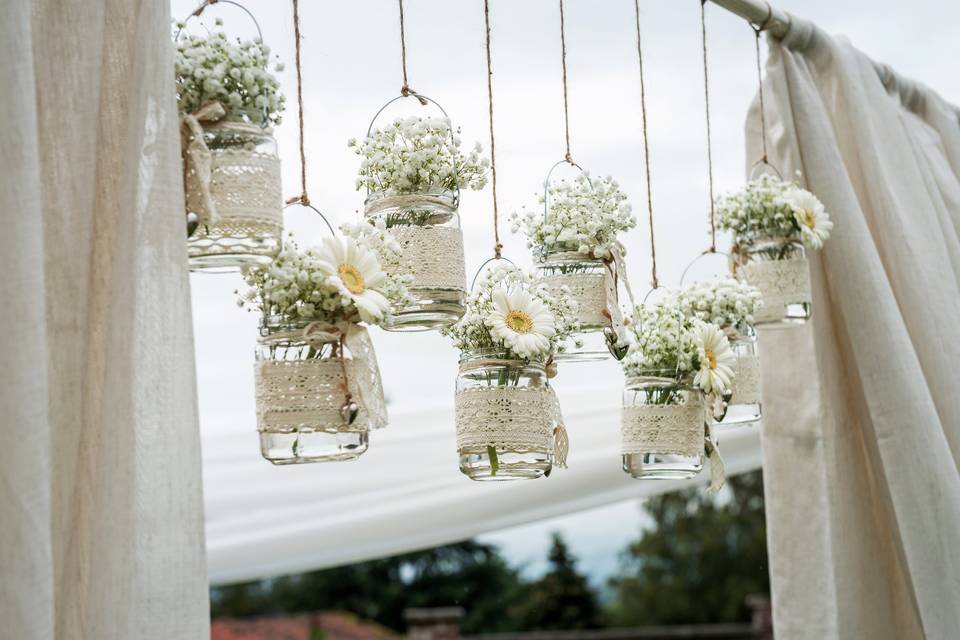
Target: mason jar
column 662, row 427
column 245, row 189
column 780, row 270
column 505, row 417
column 427, row 227
column 586, row 279
column 743, row 407
column 303, row 413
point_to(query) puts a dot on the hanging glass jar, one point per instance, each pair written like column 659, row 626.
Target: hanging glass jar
column 780, row 270
column 586, row 279
column 662, row 427
column 743, row 407
column 427, row 226
column 306, row 410
column 506, row 415
column 246, row 221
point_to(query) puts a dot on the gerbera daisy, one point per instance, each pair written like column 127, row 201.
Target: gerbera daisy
column 522, row 321
column 356, row 273
column 716, row 360
column 815, row 224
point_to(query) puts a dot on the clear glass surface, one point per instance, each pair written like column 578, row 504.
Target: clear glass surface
column 585, row 277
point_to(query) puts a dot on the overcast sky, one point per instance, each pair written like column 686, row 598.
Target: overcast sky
column 352, row 67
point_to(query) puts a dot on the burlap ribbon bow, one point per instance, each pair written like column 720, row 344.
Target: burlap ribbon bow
column 197, row 159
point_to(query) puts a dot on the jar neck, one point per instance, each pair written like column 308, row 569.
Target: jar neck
column 664, row 377
column 497, row 358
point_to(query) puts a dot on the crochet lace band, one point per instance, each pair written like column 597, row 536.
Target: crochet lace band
column 244, row 189
column 781, row 283
column 675, row 429
column 432, row 255
column 746, row 380
column 519, row 419
column 588, row 289
column 308, row 395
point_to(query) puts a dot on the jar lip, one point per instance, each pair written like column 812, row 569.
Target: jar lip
column 275, row 323
column 659, row 375
column 768, row 240
column 543, row 256
column 500, row 355
column 440, row 195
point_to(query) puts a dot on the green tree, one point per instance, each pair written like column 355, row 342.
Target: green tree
column 700, row 559
column 470, row 574
column 561, row 599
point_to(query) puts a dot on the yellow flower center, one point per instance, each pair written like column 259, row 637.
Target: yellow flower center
column 809, row 219
column 519, row 321
column 352, row 278
column 712, row 359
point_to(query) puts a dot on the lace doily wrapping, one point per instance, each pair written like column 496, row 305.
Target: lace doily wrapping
column 308, row 395
column 433, row 256
column 245, row 189
column 509, row 418
column 588, row 290
column 746, row 380
column 675, row 429
column 781, row 283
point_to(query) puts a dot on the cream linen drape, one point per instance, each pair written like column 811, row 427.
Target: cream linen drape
column 862, row 429
column 101, row 523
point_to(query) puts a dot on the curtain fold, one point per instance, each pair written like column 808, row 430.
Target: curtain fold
column 101, row 520
column 861, row 457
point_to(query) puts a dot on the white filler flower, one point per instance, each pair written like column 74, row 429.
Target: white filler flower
column 523, row 322
column 716, row 360
column 815, row 224
column 356, row 273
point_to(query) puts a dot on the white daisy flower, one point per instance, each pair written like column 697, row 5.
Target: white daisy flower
column 356, row 273
column 523, row 322
column 815, row 224
column 716, row 360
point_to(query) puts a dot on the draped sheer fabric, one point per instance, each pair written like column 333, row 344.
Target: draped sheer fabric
column 862, row 434
column 101, row 522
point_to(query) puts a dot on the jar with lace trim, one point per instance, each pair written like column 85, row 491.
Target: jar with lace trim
column 780, row 270
column 743, row 408
column 505, row 416
column 303, row 412
column 246, row 225
column 662, row 427
column 427, row 226
column 586, row 278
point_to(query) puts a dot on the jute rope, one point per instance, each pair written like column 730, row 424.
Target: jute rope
column 566, row 108
column 706, row 99
column 757, row 29
column 646, row 153
column 405, row 89
column 497, row 245
column 303, row 198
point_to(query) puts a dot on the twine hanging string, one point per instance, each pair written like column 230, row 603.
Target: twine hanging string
column 757, row 29
column 497, row 246
column 405, row 89
column 566, row 108
column 646, row 153
column 303, row 198
column 706, row 99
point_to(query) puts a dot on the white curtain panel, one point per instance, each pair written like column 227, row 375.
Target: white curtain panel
column 101, row 523
column 862, row 442
column 407, row 493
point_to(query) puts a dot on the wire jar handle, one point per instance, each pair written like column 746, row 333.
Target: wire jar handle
column 315, row 210
column 485, row 263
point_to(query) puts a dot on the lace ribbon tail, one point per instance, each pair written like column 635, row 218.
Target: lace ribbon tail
column 367, row 379
column 614, row 272
column 717, row 471
column 561, row 440
column 197, row 159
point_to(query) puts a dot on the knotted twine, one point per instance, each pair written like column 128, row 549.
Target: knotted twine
column 196, row 156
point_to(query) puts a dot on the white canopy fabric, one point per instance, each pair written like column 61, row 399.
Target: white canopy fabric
column 406, row 492
column 863, row 442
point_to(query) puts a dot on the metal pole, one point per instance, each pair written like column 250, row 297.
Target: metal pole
column 757, row 11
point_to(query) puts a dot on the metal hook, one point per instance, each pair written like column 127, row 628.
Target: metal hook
column 485, row 263
column 317, row 211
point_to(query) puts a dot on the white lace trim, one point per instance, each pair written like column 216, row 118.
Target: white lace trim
column 676, row 429
column 589, row 292
column 433, row 256
column 308, row 395
column 781, row 283
column 519, row 419
column 244, row 186
column 746, row 381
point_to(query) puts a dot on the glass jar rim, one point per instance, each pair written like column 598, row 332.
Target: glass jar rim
column 443, row 195
column 499, row 354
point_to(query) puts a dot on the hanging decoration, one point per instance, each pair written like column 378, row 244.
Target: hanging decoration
column 774, row 222
column 228, row 100
column 679, row 372
column 508, row 417
column 413, row 172
column 575, row 245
